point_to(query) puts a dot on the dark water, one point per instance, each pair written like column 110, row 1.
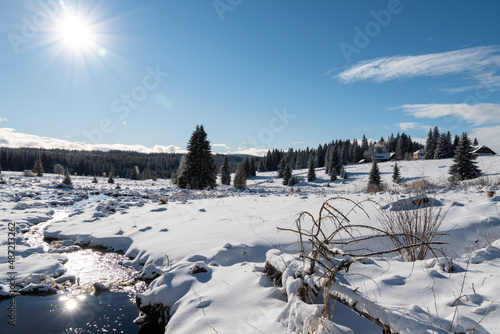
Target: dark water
column 110, row 312
column 75, row 309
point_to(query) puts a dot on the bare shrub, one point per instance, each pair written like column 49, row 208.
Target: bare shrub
column 422, row 184
column 375, row 188
column 28, row 173
column 412, row 225
column 322, row 247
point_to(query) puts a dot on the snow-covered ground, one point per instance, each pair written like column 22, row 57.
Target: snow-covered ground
column 209, row 248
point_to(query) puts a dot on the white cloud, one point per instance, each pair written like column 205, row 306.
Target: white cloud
column 10, row 138
column 3, row 119
column 251, row 151
column 479, row 63
column 413, row 125
column 478, row 114
column 221, row 145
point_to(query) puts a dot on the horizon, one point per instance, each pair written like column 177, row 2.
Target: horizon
column 131, row 76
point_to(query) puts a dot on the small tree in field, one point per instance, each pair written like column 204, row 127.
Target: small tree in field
column 38, row 167
column 200, row 172
column 311, row 174
column 287, row 174
column 464, row 165
column 58, row 169
column 111, row 175
column 374, row 180
column 67, row 178
column 225, row 174
column 136, row 175
column 240, row 177
column 94, row 180
column 396, row 174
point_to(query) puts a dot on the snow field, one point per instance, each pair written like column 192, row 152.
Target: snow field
column 229, row 233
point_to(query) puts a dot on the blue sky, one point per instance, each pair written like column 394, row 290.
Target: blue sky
column 257, row 74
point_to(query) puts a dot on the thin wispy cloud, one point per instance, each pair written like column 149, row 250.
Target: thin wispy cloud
column 3, row 119
column 477, row 114
column 405, row 126
column 251, row 151
column 221, row 145
column 10, row 138
column 479, row 63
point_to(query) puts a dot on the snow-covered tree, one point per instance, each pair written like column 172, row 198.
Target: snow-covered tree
column 58, row 169
column 287, row 174
column 311, row 174
column 67, row 178
column 281, row 167
column 396, row 174
column 374, row 178
column 464, row 165
column 431, row 143
column 441, row 148
column 225, row 174
column 253, row 168
column 240, row 178
column 38, row 167
column 200, row 172
column 343, row 174
column 136, row 175
column 111, row 175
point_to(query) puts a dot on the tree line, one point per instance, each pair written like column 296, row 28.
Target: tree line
column 90, row 163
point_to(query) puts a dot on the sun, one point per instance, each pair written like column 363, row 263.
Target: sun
column 75, row 33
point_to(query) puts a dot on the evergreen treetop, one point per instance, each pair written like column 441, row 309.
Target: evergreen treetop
column 38, row 167
column 374, row 178
column 225, row 173
column 200, row 172
column 240, row 178
column 464, row 165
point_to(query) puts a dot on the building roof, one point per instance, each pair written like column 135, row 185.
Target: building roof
column 382, row 155
column 422, row 151
column 483, row 148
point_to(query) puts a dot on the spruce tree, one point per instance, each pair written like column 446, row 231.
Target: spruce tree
column 281, row 167
column 200, row 172
column 430, row 144
column 343, row 174
column 374, row 179
column 396, row 174
column 246, row 165
column 136, row 175
column 253, row 168
column 441, row 148
column 94, row 180
column 240, row 178
column 111, row 176
column 67, row 178
column 287, row 174
column 225, row 174
column 311, row 174
column 38, row 167
column 464, row 165
column 475, row 143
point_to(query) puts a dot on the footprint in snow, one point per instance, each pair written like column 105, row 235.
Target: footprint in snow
column 394, row 280
column 145, row 229
column 159, row 210
column 203, row 304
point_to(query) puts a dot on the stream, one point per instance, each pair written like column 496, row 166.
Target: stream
column 75, row 308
